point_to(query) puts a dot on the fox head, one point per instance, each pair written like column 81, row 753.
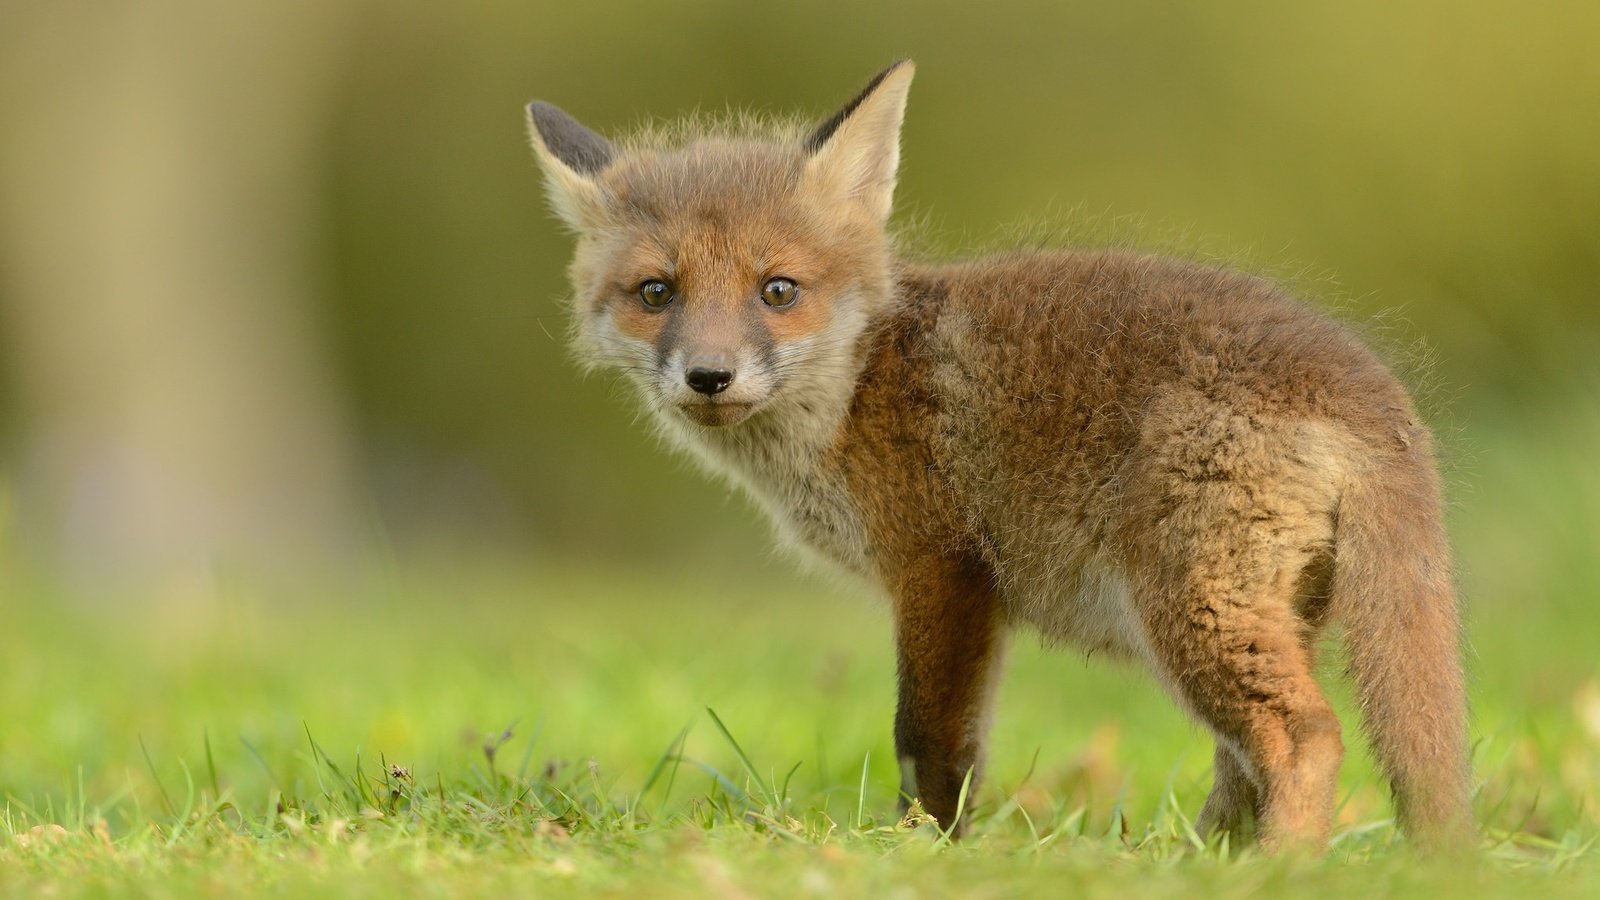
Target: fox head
column 730, row 275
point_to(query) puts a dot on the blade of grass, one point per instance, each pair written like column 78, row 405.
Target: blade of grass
column 744, row 760
column 861, row 792
column 527, row 754
column 256, row 754
column 211, row 764
column 156, row 777
column 671, row 755
column 783, row 792
column 947, row 832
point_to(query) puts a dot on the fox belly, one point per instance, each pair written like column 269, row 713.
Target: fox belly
column 1088, row 605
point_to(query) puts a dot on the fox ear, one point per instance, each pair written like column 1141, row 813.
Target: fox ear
column 857, row 150
column 572, row 155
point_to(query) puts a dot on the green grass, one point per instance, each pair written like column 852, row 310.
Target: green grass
column 551, row 734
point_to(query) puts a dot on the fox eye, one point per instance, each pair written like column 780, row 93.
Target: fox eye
column 780, row 292
column 655, row 293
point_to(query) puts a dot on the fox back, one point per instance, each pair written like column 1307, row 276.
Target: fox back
column 1172, row 463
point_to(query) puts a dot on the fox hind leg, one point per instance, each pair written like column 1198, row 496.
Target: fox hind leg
column 1217, row 596
column 1234, row 796
column 1244, row 673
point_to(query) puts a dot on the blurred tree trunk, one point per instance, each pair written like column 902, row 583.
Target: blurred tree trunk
column 158, row 235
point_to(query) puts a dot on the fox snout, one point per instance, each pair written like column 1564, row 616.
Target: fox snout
column 709, row 375
column 715, row 387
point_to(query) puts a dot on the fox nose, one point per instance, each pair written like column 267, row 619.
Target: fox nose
column 709, row 381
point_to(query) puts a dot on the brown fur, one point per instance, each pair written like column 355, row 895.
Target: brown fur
column 1174, row 463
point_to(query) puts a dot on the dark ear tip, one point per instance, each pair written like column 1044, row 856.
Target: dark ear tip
column 567, row 139
column 821, row 133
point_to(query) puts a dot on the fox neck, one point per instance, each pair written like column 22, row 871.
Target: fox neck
column 785, row 455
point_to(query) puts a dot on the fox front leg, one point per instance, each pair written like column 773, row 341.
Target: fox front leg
column 949, row 634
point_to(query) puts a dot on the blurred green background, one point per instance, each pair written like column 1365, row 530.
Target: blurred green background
column 279, row 294
column 278, row 285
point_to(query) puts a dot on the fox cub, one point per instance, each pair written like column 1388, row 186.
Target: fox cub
column 1142, row 456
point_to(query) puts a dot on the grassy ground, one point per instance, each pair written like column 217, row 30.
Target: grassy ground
column 547, row 730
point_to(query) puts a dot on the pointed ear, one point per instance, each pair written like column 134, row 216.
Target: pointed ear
column 571, row 155
column 856, row 152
